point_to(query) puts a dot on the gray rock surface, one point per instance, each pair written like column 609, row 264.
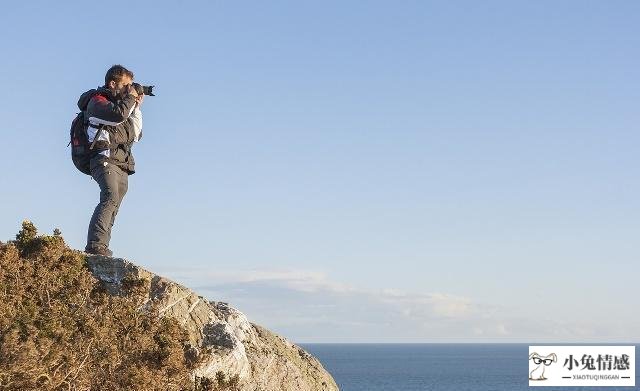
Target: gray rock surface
column 263, row 360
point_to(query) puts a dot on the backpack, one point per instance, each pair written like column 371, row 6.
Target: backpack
column 81, row 149
column 81, row 152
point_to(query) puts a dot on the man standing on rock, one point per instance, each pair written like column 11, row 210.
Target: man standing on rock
column 114, row 116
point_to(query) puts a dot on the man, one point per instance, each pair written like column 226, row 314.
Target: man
column 115, row 123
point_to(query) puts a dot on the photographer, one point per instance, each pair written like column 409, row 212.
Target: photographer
column 115, row 123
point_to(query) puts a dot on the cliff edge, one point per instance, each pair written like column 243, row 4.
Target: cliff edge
column 261, row 359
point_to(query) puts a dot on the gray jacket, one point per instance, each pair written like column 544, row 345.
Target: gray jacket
column 116, row 122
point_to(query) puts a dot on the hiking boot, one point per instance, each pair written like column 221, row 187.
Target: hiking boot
column 99, row 251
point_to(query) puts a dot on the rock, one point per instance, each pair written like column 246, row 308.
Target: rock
column 261, row 359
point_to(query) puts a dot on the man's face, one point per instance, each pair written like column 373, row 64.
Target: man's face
column 120, row 87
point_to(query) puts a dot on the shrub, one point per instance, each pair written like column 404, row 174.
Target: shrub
column 61, row 330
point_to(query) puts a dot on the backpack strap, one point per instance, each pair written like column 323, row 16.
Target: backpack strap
column 95, row 138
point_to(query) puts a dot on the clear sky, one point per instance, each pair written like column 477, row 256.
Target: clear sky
column 353, row 171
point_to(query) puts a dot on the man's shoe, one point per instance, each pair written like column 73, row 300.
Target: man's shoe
column 99, row 251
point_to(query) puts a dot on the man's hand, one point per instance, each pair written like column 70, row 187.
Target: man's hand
column 132, row 91
column 139, row 100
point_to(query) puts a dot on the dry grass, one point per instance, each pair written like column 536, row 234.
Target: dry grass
column 61, row 330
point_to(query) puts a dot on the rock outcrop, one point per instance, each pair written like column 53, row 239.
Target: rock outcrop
column 261, row 359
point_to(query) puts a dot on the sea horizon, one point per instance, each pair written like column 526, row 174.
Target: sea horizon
column 468, row 343
column 447, row 366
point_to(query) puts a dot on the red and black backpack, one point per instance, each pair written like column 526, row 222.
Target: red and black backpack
column 81, row 149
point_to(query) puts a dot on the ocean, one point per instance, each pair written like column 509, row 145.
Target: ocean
column 439, row 366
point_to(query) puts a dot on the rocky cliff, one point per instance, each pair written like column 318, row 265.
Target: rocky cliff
column 73, row 321
column 261, row 359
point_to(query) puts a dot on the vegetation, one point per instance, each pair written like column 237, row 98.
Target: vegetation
column 61, row 330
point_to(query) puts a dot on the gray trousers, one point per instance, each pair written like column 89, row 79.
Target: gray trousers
column 113, row 182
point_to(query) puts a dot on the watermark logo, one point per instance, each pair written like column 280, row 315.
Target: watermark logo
column 582, row 366
column 541, row 361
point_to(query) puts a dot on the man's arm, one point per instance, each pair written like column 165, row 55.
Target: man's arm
column 103, row 111
column 136, row 119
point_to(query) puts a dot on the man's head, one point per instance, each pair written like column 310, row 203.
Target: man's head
column 118, row 79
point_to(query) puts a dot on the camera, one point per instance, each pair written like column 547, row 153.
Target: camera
column 140, row 89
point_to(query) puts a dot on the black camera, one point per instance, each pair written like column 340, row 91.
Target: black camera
column 140, row 89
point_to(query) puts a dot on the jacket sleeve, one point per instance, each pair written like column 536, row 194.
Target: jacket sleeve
column 136, row 118
column 102, row 111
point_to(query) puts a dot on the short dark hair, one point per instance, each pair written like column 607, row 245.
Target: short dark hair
column 116, row 73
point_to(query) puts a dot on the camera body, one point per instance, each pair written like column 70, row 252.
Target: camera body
column 140, row 89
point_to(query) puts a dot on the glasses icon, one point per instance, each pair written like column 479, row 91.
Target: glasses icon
column 546, row 361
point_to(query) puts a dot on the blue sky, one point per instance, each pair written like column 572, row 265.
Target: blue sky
column 409, row 171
